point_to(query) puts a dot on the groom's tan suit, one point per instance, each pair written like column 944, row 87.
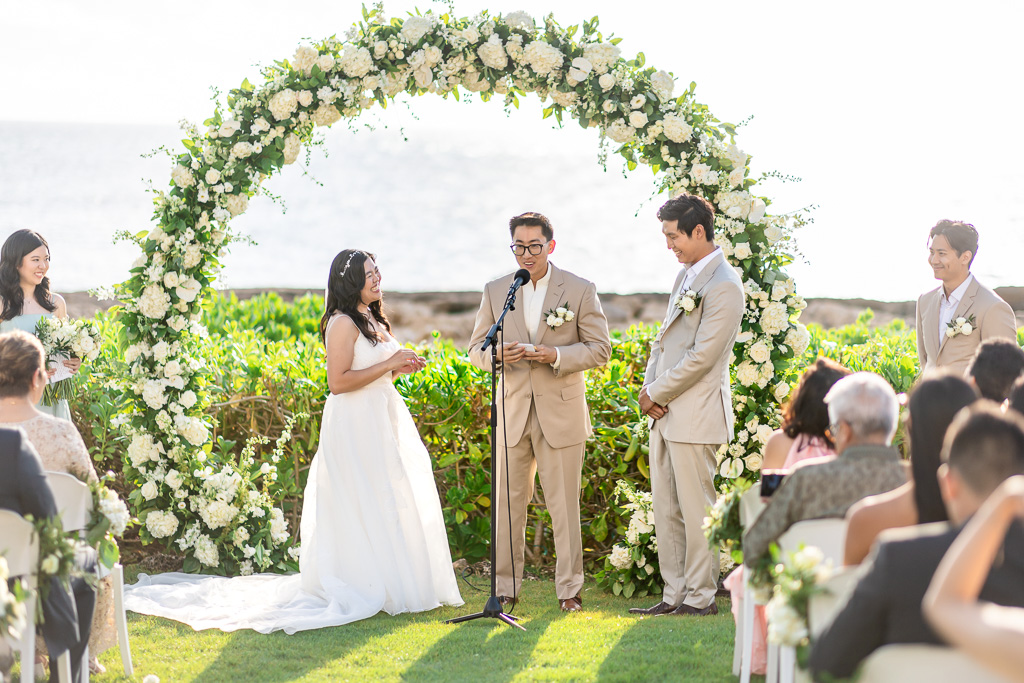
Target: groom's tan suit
column 546, row 420
column 993, row 318
column 688, row 374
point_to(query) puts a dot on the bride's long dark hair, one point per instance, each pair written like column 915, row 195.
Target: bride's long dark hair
column 20, row 244
column 344, row 286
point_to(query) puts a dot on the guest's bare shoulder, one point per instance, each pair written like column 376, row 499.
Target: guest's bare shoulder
column 776, row 450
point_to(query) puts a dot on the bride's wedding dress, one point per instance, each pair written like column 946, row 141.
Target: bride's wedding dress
column 372, row 532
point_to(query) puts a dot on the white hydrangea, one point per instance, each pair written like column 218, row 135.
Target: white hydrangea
column 236, row 203
column 194, row 431
column 304, row 59
column 161, row 524
column 676, row 128
column 278, row 526
column 543, row 57
column 774, row 318
column 703, row 175
column 356, row 62
column 292, row 147
column 282, row 105
column 216, row 513
column 153, row 394
column 492, row 53
column 734, row 204
column 621, row 557
column 601, row 55
column 413, row 29
column 785, row 625
column 663, row 84
column 620, row 131
column 326, row 114
column 566, row 99
column 746, row 373
column 192, row 256
column 798, row 339
column 736, row 155
column 520, row 20
column 182, row 176
column 154, row 302
column 206, row 551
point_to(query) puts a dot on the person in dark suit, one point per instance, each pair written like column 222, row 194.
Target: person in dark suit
column 67, row 614
column 983, row 447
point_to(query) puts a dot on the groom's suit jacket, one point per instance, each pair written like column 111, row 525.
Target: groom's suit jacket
column 582, row 343
column 993, row 318
column 688, row 371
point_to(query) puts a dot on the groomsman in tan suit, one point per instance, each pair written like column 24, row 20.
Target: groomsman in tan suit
column 687, row 395
column 941, row 342
column 545, row 421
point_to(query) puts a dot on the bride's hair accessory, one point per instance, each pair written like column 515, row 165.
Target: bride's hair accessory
column 348, row 262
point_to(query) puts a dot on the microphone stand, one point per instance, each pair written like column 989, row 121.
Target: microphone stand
column 493, row 610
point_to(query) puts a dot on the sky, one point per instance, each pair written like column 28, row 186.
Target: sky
column 893, row 114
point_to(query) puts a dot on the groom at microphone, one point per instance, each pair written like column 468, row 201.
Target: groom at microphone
column 556, row 332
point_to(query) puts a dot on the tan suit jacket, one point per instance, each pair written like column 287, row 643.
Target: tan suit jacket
column 993, row 318
column 582, row 343
column 688, row 371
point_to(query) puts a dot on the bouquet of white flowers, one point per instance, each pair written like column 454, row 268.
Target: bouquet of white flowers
column 61, row 340
column 110, row 518
column 12, row 604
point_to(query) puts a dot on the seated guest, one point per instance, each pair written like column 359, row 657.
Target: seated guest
column 933, row 404
column 983, row 448
column 996, row 366
column 59, row 446
column 804, row 432
column 990, row 634
column 863, row 410
column 1016, row 401
column 23, row 489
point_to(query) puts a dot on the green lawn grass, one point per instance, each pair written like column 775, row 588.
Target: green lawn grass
column 602, row 643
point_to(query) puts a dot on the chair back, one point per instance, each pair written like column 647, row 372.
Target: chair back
column 900, row 663
column 74, row 500
column 829, row 535
column 751, row 505
column 823, row 607
column 19, row 543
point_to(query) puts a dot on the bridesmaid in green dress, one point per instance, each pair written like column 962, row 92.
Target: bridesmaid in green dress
column 26, row 297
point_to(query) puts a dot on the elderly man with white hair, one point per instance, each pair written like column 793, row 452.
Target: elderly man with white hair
column 863, row 411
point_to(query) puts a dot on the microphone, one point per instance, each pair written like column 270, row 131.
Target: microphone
column 522, row 276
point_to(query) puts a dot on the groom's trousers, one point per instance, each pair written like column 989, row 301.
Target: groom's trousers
column 559, row 470
column 683, row 488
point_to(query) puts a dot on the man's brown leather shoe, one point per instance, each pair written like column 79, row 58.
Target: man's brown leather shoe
column 574, row 604
column 660, row 608
column 708, row 611
column 507, row 601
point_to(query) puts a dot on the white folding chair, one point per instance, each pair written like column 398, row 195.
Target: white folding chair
column 829, row 536
column 74, row 501
column 751, row 505
column 900, row 663
column 823, row 607
column 20, row 547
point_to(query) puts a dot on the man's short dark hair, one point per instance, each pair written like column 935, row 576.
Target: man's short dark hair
column 985, row 446
column 961, row 236
column 996, row 366
column 532, row 218
column 690, row 211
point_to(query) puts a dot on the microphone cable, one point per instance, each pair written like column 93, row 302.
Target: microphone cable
column 508, row 495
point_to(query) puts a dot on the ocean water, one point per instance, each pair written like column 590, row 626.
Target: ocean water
column 433, row 202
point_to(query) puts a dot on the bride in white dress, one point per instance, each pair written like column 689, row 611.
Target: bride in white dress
column 372, row 531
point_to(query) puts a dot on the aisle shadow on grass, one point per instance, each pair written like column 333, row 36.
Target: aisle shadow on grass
column 671, row 648
column 494, row 651
column 279, row 657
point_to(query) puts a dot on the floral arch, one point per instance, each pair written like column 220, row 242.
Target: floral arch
column 218, row 513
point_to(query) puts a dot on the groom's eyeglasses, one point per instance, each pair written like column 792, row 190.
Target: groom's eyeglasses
column 534, row 249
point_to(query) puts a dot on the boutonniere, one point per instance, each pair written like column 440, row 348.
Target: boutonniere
column 687, row 301
column 557, row 317
column 964, row 326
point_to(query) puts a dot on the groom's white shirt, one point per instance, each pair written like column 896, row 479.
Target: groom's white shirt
column 947, row 307
column 692, row 272
column 533, row 308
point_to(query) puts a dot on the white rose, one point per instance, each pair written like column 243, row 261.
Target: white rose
column 607, row 82
column 171, row 280
column 608, row 106
column 781, row 391
column 580, row 69
column 753, row 462
column 663, row 84
column 50, row 565
column 764, row 432
column 760, row 352
column 744, row 337
column 637, row 119
column 687, row 304
column 569, row 315
column 229, row 128
column 325, row 62
column 173, row 479
column 292, row 147
column 552, row 320
column 212, row 176
column 182, row 176
column 637, row 102
column 380, row 48
column 283, row 104
column 772, row 233
column 966, row 328
column 742, row 251
column 189, row 398
column 149, row 490
column 950, row 332
column 470, row 34
column 189, row 290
